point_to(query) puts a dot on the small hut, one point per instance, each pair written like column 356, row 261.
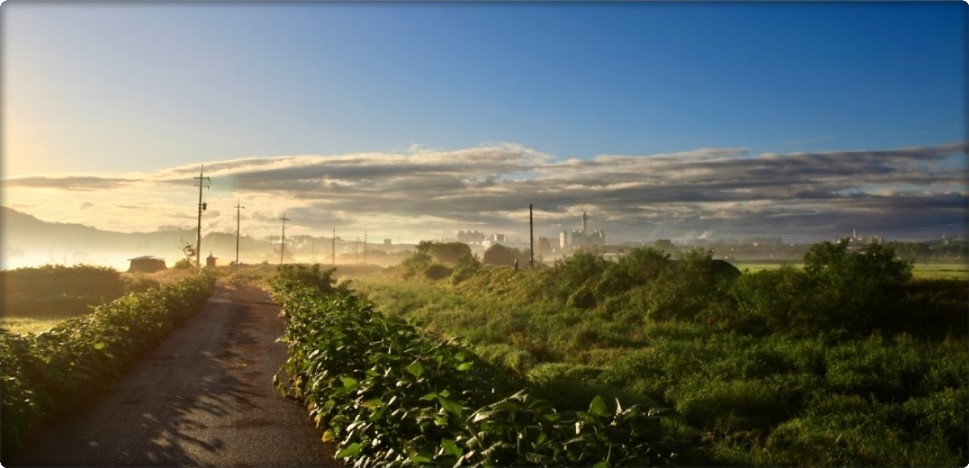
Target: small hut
column 210, row 261
column 146, row 264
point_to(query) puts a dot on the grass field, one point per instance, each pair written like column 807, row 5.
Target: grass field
column 24, row 325
column 959, row 271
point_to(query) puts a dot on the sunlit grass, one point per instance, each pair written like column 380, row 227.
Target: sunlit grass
column 754, row 267
column 957, row 271
column 25, row 325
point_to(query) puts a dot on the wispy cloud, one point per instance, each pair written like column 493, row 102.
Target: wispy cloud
column 431, row 193
column 75, row 182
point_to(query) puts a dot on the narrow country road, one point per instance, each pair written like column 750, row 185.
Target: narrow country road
column 204, row 397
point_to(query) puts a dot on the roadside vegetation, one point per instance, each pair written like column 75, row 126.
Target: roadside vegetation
column 53, row 373
column 843, row 361
column 388, row 394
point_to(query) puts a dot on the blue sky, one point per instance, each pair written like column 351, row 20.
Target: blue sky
column 115, row 89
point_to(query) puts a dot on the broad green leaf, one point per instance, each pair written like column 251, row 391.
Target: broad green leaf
column 416, row 369
column 451, row 448
column 598, row 407
column 419, row 458
column 350, row 450
column 100, row 345
column 373, row 403
column 450, row 406
column 464, row 366
column 349, row 383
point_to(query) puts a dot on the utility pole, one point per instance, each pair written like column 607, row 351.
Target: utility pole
column 282, row 245
column 202, row 207
column 364, row 247
column 333, row 248
column 531, row 238
column 239, row 207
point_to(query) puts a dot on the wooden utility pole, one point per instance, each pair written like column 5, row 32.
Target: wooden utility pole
column 531, row 238
column 202, row 207
column 282, row 245
column 239, row 207
column 364, row 247
column 333, row 248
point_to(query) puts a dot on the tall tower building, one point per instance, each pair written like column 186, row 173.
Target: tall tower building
column 585, row 223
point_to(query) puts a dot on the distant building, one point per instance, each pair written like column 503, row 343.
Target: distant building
column 582, row 238
column 471, row 237
column 146, row 264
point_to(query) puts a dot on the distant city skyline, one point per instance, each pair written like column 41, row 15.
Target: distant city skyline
column 416, row 120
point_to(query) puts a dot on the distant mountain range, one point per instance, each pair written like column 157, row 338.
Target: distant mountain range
column 28, row 241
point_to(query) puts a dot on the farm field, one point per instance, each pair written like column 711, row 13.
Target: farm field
column 24, row 325
column 810, row 365
column 35, row 300
column 920, row 270
column 955, row 271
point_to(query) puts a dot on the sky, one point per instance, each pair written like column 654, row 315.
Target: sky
column 414, row 120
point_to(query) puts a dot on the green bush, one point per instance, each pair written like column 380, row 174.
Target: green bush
column 294, row 275
column 687, row 289
column 848, row 430
column 436, row 272
column 501, row 255
column 853, row 290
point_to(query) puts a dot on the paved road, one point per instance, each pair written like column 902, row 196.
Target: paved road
column 204, row 397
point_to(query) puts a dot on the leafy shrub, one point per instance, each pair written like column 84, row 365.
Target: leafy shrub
column 848, row 430
column 771, row 301
column 436, row 271
column 139, row 283
column 943, row 414
column 934, row 309
column 436, row 261
column 737, row 403
column 853, row 289
column 499, row 254
column 687, row 288
column 292, row 275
